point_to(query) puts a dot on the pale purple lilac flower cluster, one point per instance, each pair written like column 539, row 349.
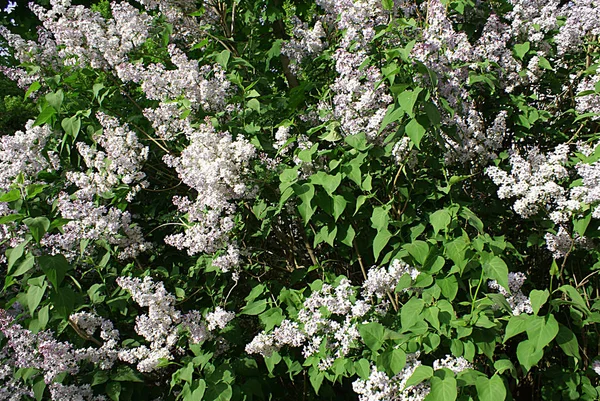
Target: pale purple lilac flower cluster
column 160, row 327
column 51, row 357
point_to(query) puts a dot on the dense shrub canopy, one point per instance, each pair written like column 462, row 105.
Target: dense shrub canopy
column 267, row 200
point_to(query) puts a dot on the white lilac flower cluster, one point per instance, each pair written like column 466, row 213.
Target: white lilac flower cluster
column 90, row 222
column 589, row 103
column 177, row 13
column 453, row 363
column 331, row 316
column 120, row 163
column 451, row 56
column 381, row 281
column 161, row 325
column 21, row 154
column 61, row 392
column 85, row 38
column 532, row 20
column 218, row 318
column 533, row 180
column 214, row 164
column 380, row 387
column 360, row 98
column 11, row 389
column 305, row 42
column 538, row 184
column 203, row 86
column 167, row 121
column 582, row 20
column 518, row 301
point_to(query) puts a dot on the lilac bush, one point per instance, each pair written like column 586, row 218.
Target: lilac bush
column 340, row 199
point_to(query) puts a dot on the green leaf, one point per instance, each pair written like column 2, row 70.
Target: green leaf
column 541, row 330
column 410, row 313
column 113, row 390
column 305, row 192
column 357, row 141
column 32, row 88
column 538, row 298
column 575, row 297
column 271, row 318
column 55, row 99
column 544, row 63
column 497, row 270
column 346, row 234
column 198, row 392
column 316, row 379
column 380, row 218
column 55, row 267
column 38, row 389
column 415, row 132
column 443, row 389
column 388, row 4
column 339, row 205
column 502, row 365
column 11, row 196
column 45, row 116
column 187, row 372
column 254, row 104
column 64, row 300
column 35, row 294
column 255, row 307
column 567, row 341
column 527, row 355
column 373, row 334
column 421, row 373
column 37, row 226
column 26, row 265
column 125, row 373
column 407, row 100
column 516, row 325
column 449, row 286
column 521, row 50
column 223, row 58
column 490, row 389
column 418, row 250
column 96, row 88
column 15, row 254
column 440, row 220
column 71, row 125
column 380, row 241
column 391, row 116
column 363, row 368
column 392, row 360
